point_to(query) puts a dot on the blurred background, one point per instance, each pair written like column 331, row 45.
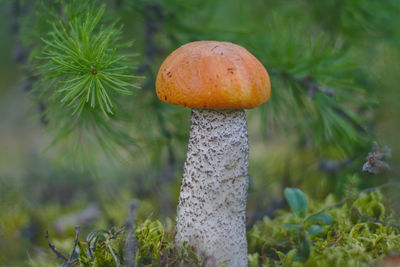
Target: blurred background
column 334, row 68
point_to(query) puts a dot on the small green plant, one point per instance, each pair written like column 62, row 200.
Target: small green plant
column 357, row 230
column 302, row 226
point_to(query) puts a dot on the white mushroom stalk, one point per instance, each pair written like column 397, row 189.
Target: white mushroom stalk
column 212, row 203
column 217, row 80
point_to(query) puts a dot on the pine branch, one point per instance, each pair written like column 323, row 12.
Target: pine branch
column 313, row 78
column 309, row 85
column 84, row 77
column 312, row 87
column 82, row 64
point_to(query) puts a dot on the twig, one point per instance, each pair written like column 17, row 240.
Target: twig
column 77, row 228
column 375, row 160
column 374, row 220
column 309, row 83
column 130, row 241
column 168, row 135
column 332, row 167
column 62, row 11
column 53, row 248
column 21, row 53
column 90, row 251
column 151, row 215
column 367, row 190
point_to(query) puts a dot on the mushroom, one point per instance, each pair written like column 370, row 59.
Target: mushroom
column 218, row 80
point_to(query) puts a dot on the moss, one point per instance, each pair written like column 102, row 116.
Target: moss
column 152, row 245
column 348, row 241
column 336, row 237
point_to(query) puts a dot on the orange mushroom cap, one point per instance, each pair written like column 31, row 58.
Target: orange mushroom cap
column 213, row 75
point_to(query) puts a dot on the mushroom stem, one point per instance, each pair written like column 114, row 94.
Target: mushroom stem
column 212, row 202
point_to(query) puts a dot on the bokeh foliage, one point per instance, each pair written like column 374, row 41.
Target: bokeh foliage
column 315, row 74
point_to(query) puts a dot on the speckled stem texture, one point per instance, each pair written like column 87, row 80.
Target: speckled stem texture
column 212, row 202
